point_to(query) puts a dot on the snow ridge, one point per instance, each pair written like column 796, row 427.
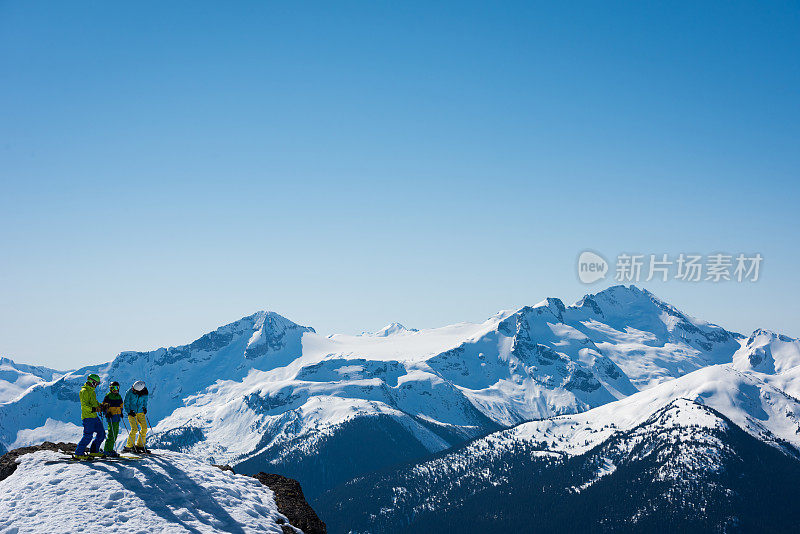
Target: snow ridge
column 170, row 492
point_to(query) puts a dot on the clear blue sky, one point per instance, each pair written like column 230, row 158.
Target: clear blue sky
column 167, row 167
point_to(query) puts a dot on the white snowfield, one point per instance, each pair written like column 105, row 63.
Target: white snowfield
column 170, row 493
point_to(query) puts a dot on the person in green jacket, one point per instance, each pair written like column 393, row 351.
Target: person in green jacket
column 92, row 425
column 113, row 401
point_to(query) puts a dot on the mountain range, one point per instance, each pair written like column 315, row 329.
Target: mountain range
column 621, row 384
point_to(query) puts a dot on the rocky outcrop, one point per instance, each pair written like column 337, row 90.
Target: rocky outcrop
column 292, row 503
column 225, row 467
column 8, row 462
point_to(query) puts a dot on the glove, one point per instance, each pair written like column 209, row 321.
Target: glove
column 144, row 410
column 132, row 413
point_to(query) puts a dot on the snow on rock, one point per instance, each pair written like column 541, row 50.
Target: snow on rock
column 169, row 493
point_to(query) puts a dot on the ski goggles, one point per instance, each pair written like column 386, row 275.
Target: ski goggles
column 114, row 388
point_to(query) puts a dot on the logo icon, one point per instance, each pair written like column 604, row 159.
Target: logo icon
column 591, row 267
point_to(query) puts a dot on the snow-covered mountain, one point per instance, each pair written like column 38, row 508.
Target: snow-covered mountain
column 264, row 393
column 651, row 340
column 684, row 468
column 768, row 352
column 713, row 450
column 752, row 403
column 49, row 411
column 16, row 378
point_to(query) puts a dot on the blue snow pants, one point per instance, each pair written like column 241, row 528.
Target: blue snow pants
column 91, row 426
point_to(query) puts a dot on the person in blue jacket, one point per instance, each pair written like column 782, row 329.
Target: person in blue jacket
column 136, row 407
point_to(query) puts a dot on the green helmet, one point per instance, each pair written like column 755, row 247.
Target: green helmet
column 94, row 378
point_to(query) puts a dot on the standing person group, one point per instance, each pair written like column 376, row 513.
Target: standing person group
column 135, row 404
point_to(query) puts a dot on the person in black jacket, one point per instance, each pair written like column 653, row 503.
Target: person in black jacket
column 113, row 402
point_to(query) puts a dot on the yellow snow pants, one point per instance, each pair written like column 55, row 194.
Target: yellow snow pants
column 138, row 422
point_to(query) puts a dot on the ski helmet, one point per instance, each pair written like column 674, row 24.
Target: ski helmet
column 138, row 385
column 94, row 378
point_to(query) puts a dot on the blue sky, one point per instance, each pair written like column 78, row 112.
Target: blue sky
column 167, row 167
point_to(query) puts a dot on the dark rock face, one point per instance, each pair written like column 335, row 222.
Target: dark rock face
column 292, row 503
column 8, row 462
column 225, row 467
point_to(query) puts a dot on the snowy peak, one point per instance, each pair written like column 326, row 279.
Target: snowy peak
column 677, row 440
column 557, row 355
column 651, row 340
column 631, row 306
column 264, row 340
column 264, row 332
column 615, row 298
column 684, row 413
column 391, row 329
column 554, row 305
column 767, row 352
column 272, row 321
column 270, row 331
